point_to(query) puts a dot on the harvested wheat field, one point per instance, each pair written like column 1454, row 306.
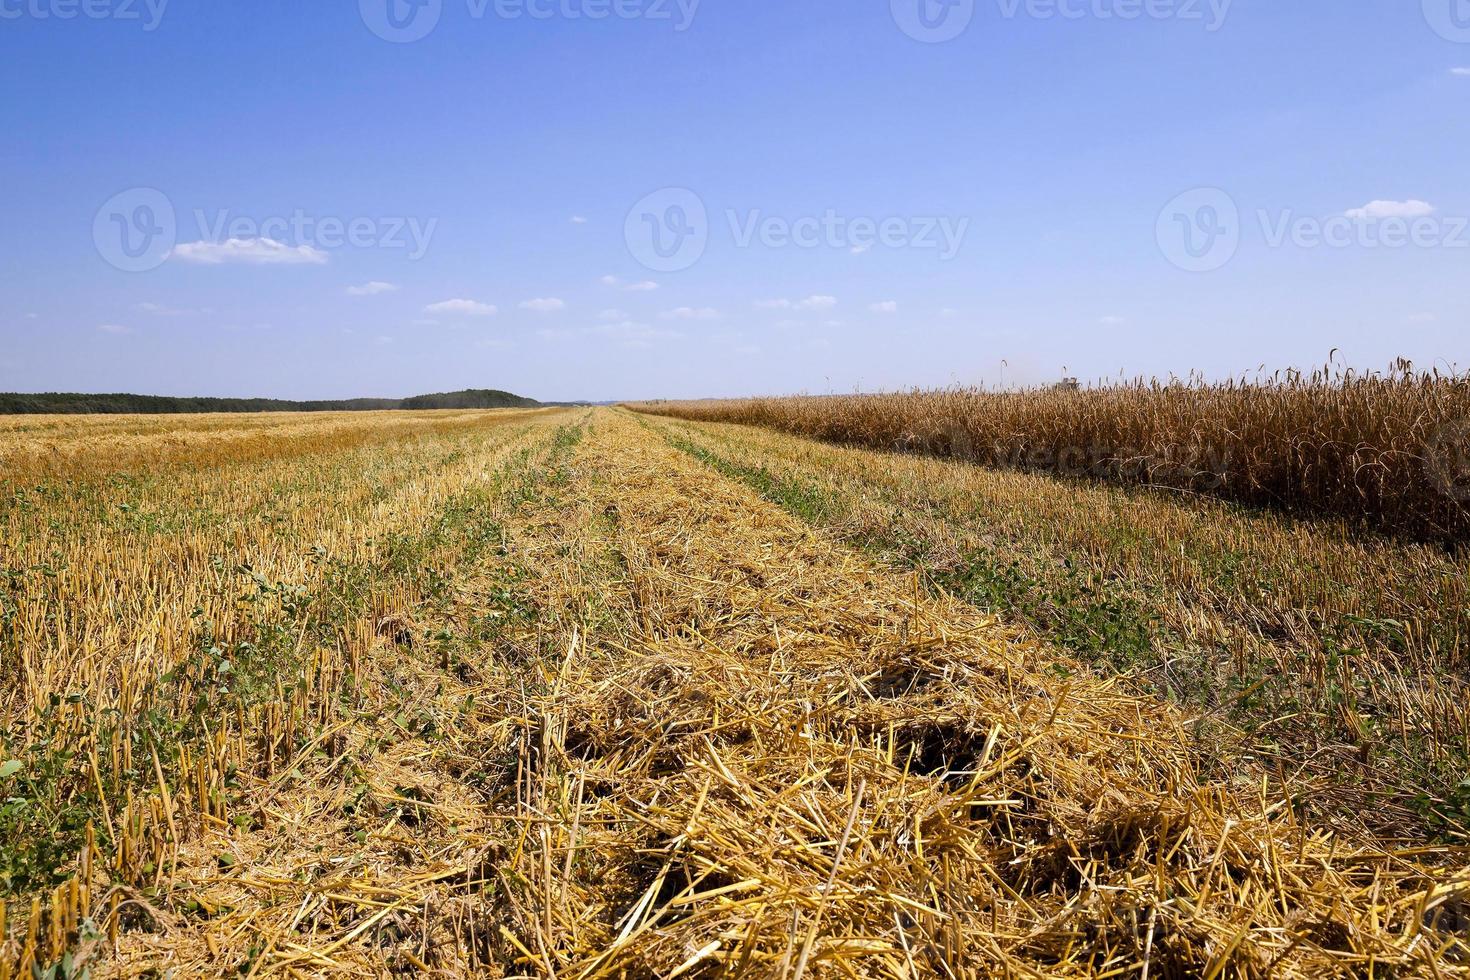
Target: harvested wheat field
column 553, row 694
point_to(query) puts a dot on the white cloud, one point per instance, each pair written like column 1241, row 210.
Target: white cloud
column 887, row 306
column 646, row 286
column 249, row 251
column 630, row 334
column 1112, row 321
column 626, row 333
column 1392, row 209
column 372, row 289
column 577, row 219
column 690, row 313
column 33, row 316
column 549, row 304
column 157, row 309
column 810, row 303
column 462, row 307
column 115, row 329
column 613, row 315
column 1462, row 72
column 860, row 249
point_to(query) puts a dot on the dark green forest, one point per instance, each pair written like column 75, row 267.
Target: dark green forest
column 59, row 403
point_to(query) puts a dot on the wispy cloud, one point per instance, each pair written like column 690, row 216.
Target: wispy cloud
column 613, row 315
column 158, row 309
column 645, row 286
column 249, row 251
column 577, row 219
column 462, row 307
column 810, row 303
column 887, row 306
column 631, row 334
column 1112, row 321
column 373, row 288
column 549, row 304
column 1392, row 209
column 116, row 329
column 624, row 333
column 1462, row 72
column 691, row 313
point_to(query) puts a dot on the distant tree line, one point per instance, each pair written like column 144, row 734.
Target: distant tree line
column 61, row 403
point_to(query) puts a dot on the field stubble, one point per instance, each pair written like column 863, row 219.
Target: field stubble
column 539, row 694
column 1340, row 656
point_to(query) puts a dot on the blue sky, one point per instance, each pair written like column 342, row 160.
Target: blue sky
column 503, row 176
